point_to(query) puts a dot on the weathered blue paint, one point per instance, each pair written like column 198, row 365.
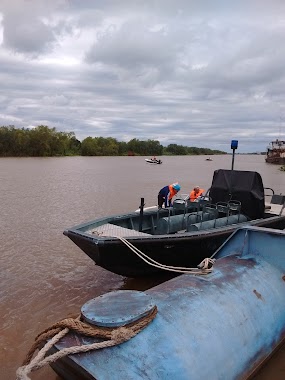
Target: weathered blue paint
column 221, row 326
column 117, row 308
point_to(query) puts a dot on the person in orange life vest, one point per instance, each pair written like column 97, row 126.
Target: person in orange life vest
column 195, row 193
column 166, row 194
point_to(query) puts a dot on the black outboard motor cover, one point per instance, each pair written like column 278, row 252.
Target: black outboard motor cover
column 244, row 186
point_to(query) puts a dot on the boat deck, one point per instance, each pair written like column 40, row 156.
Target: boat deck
column 113, row 230
column 272, row 208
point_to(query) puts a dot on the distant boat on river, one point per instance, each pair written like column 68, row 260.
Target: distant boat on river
column 276, row 152
column 153, row 161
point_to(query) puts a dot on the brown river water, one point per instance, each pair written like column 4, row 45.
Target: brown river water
column 44, row 276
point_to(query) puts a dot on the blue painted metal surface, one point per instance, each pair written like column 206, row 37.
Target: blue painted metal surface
column 117, row 308
column 220, row 326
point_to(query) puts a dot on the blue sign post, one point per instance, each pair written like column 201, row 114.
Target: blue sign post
column 234, row 145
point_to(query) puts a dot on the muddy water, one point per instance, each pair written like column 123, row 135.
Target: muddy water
column 44, row 276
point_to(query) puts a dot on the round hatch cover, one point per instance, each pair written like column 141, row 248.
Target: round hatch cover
column 117, row 308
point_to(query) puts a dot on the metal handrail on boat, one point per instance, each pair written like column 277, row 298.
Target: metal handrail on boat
column 269, row 188
column 234, row 208
column 211, row 209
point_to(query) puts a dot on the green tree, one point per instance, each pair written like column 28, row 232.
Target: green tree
column 44, row 141
column 176, row 149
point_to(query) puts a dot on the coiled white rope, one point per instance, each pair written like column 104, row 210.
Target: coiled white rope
column 205, row 267
column 112, row 336
column 40, row 361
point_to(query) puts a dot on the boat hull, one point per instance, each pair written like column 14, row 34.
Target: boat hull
column 275, row 160
column 276, row 152
column 180, row 236
column 221, row 326
column 183, row 250
column 155, row 162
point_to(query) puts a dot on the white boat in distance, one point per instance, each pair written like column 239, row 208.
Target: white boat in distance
column 153, row 161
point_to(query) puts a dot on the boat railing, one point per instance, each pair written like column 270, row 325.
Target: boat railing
column 276, row 199
column 223, row 207
column 184, row 204
column 268, row 195
column 212, row 210
column 234, row 208
column 199, row 211
column 221, row 212
column 210, row 216
column 179, row 205
column 194, row 217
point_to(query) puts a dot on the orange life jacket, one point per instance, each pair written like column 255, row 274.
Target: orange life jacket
column 172, row 192
column 194, row 195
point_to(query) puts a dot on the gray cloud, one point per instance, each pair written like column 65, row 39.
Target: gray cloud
column 185, row 72
column 32, row 37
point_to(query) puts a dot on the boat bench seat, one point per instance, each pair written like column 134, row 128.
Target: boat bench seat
column 220, row 222
column 172, row 224
column 175, row 223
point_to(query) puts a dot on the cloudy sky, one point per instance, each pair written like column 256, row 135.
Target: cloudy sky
column 196, row 73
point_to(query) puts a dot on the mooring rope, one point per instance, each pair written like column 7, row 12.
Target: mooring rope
column 205, row 267
column 57, row 331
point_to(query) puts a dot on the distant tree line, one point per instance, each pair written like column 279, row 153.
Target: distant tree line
column 43, row 141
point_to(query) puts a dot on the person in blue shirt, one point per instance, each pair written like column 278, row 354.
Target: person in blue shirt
column 166, row 194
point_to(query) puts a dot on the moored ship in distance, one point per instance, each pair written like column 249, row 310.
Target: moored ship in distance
column 276, row 152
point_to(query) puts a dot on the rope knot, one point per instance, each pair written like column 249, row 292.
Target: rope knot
column 121, row 334
column 111, row 336
column 206, row 264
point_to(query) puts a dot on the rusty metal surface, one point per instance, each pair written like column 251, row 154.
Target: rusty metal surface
column 221, row 326
column 117, row 308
